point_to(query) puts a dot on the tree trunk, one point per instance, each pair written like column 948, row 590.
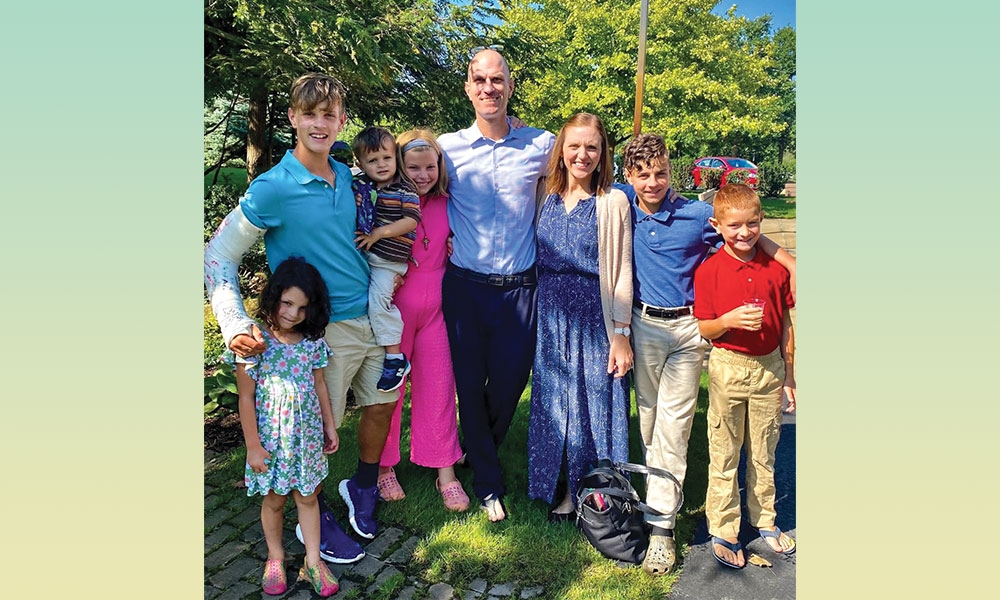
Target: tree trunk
column 258, row 160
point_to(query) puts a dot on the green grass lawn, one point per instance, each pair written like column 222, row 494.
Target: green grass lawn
column 779, row 208
column 460, row 547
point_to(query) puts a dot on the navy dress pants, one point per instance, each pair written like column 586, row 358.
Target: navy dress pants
column 491, row 331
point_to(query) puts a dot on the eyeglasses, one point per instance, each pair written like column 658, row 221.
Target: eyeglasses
column 477, row 49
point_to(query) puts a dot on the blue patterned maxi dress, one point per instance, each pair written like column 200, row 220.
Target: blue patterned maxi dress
column 578, row 411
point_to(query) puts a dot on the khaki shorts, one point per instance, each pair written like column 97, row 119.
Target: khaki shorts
column 356, row 363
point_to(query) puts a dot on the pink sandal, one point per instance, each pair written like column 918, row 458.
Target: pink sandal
column 454, row 495
column 389, row 488
column 274, row 582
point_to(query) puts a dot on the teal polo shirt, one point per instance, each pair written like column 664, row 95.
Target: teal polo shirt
column 667, row 247
column 304, row 217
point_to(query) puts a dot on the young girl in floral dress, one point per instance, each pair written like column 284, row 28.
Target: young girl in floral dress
column 286, row 417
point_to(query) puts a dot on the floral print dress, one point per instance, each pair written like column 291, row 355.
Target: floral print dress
column 289, row 421
column 579, row 413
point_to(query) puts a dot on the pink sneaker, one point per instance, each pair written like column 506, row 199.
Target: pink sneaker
column 454, row 496
column 320, row 579
column 274, row 578
column 389, row 488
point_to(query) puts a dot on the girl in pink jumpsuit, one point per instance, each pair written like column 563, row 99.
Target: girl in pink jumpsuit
column 433, row 424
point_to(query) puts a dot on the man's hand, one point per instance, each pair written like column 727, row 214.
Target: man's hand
column 245, row 345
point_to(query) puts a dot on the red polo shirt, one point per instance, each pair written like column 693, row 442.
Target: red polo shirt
column 721, row 284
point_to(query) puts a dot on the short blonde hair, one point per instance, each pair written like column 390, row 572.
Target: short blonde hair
column 735, row 196
column 424, row 135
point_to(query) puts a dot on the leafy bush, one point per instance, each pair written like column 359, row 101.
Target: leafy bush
column 771, row 177
column 680, row 175
column 711, row 179
column 220, row 390
column 737, row 176
column 220, row 200
column 213, row 342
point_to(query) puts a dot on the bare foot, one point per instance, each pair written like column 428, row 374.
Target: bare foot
column 494, row 508
column 777, row 540
column 728, row 555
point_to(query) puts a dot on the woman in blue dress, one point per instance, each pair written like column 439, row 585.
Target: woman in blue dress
column 579, row 397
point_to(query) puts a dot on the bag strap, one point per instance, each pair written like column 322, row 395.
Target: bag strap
column 632, row 495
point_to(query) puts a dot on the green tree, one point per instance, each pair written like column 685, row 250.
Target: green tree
column 705, row 75
column 392, row 55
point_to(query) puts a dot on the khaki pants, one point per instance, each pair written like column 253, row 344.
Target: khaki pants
column 668, row 357
column 356, row 363
column 744, row 406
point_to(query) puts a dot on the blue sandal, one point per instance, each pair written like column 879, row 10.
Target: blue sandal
column 734, row 547
column 776, row 535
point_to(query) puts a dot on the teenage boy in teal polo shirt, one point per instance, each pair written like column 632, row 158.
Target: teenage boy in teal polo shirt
column 671, row 237
column 304, row 206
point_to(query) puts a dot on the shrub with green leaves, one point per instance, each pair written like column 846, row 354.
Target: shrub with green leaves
column 680, row 173
column 220, row 390
column 772, row 176
column 737, row 176
column 711, row 179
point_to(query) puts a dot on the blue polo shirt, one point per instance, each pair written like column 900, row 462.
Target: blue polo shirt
column 667, row 247
column 304, row 217
column 492, row 187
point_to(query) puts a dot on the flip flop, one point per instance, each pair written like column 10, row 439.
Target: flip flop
column 776, row 535
column 734, row 547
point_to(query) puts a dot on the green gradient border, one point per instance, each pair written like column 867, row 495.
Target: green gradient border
column 101, row 170
column 897, row 286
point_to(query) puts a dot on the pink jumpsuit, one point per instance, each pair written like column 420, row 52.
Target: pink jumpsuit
column 433, row 412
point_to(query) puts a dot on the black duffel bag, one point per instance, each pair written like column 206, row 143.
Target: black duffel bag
column 610, row 513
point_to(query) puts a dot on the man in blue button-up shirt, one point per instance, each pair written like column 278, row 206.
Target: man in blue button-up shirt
column 489, row 289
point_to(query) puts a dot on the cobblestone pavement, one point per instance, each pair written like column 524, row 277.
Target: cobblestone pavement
column 235, row 552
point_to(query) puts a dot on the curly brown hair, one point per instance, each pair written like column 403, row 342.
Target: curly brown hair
column 643, row 150
column 296, row 272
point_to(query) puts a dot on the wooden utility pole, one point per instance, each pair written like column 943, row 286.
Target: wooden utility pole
column 641, row 69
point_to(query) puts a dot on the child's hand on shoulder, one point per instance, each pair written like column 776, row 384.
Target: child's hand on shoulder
column 257, row 457
column 331, row 441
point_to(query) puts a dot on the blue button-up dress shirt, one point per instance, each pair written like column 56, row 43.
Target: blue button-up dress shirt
column 492, row 188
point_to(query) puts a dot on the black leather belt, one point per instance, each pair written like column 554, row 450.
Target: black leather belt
column 662, row 313
column 517, row 279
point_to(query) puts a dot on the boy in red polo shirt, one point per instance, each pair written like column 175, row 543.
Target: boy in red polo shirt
column 741, row 301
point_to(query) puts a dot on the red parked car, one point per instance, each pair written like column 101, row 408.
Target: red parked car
column 727, row 164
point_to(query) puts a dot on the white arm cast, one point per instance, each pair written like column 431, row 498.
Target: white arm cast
column 223, row 254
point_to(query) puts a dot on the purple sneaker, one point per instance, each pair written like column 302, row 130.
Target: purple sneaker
column 335, row 545
column 360, row 506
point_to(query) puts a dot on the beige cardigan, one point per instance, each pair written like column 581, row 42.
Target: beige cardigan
column 614, row 258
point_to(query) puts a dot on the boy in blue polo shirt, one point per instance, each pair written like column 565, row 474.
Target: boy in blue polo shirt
column 671, row 237
column 304, row 206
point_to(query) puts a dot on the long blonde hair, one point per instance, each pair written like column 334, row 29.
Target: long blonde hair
column 441, row 187
column 600, row 179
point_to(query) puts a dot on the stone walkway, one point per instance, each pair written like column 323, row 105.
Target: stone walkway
column 235, row 551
